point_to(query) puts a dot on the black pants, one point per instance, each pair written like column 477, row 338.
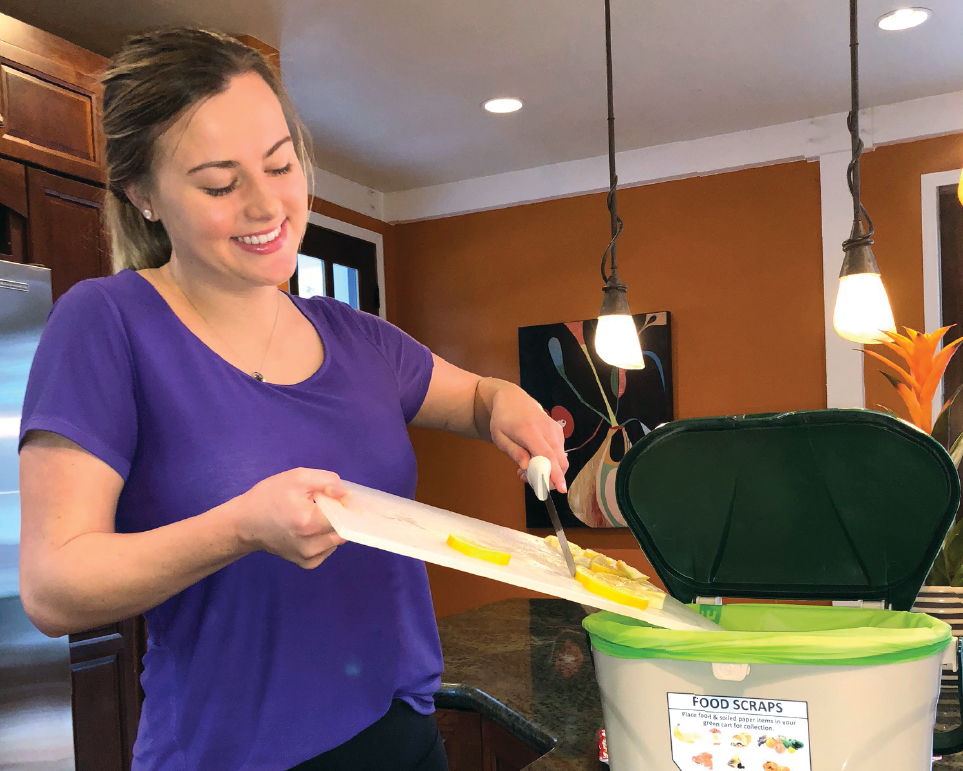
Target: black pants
column 403, row 740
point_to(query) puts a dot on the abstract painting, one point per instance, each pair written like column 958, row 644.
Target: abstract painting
column 603, row 410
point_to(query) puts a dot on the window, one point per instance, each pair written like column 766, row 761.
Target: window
column 336, row 265
column 310, row 275
column 346, row 285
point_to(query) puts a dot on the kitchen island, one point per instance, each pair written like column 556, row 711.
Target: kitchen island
column 525, row 667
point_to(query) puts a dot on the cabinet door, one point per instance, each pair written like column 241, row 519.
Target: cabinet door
column 13, row 211
column 504, row 752
column 64, row 231
column 50, row 102
column 105, row 676
column 461, row 732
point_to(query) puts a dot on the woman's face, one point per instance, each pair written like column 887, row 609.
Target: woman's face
column 228, row 187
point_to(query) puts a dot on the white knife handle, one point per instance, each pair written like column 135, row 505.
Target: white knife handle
column 539, row 473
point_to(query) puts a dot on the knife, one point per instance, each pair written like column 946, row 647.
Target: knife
column 538, row 473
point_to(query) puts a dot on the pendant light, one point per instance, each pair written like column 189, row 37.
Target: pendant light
column 616, row 338
column 862, row 312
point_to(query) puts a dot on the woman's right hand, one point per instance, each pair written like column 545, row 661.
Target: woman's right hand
column 279, row 516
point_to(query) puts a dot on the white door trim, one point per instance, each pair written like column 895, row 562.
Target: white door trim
column 932, row 292
column 365, row 235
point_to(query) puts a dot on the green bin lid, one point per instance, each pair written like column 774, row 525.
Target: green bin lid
column 824, row 504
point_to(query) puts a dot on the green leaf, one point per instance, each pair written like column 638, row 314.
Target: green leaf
column 941, row 427
column 953, row 552
column 956, row 451
column 943, row 569
column 614, row 382
column 938, row 574
column 955, row 394
column 956, row 576
column 893, row 380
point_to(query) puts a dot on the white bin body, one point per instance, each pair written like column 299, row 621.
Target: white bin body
column 872, row 718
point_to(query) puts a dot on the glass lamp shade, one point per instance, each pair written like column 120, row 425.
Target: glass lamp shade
column 616, row 338
column 862, row 310
column 617, row 341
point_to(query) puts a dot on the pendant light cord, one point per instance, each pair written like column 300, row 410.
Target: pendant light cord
column 611, row 279
column 858, row 237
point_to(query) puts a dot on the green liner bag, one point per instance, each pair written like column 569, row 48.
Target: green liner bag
column 779, row 634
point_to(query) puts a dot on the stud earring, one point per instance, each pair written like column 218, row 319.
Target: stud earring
column 147, row 214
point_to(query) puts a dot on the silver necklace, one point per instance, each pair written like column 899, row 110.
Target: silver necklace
column 256, row 374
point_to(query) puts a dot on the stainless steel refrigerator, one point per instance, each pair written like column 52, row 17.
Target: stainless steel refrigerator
column 36, row 728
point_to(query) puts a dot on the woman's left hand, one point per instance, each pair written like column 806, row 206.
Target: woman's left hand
column 522, row 429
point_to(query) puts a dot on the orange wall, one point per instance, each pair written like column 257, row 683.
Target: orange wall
column 736, row 258
column 891, row 194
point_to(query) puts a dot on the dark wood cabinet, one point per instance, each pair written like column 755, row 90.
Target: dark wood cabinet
column 50, row 102
column 504, row 752
column 64, row 230
column 474, row 743
column 51, row 198
column 105, row 674
column 13, row 211
column 52, row 220
column 461, row 732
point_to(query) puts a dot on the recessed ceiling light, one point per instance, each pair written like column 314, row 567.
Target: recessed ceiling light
column 904, row 18
column 503, row 105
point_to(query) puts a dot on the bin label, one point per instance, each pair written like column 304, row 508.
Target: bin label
column 721, row 732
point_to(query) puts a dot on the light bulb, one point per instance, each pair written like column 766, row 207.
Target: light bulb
column 503, row 105
column 959, row 189
column 903, row 18
column 862, row 310
column 617, row 341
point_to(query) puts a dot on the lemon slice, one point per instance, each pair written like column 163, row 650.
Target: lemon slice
column 630, row 572
column 552, row 540
column 603, row 564
column 655, row 596
column 612, row 588
column 475, row 549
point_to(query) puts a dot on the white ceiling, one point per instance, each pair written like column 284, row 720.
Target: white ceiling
column 391, row 89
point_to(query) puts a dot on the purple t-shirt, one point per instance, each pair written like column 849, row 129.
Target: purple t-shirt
column 263, row 664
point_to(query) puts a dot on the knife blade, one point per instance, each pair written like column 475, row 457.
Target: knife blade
column 538, row 473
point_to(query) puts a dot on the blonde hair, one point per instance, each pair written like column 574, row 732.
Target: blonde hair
column 148, row 85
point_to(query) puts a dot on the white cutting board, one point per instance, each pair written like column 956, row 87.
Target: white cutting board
column 412, row 529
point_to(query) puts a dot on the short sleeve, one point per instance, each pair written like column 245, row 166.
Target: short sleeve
column 81, row 382
column 411, row 362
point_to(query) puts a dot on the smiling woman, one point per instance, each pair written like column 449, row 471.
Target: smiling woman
column 153, row 82
column 182, row 417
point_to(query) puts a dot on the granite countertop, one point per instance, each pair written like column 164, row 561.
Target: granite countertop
column 526, row 665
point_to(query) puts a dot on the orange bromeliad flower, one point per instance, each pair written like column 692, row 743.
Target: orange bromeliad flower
column 917, row 383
